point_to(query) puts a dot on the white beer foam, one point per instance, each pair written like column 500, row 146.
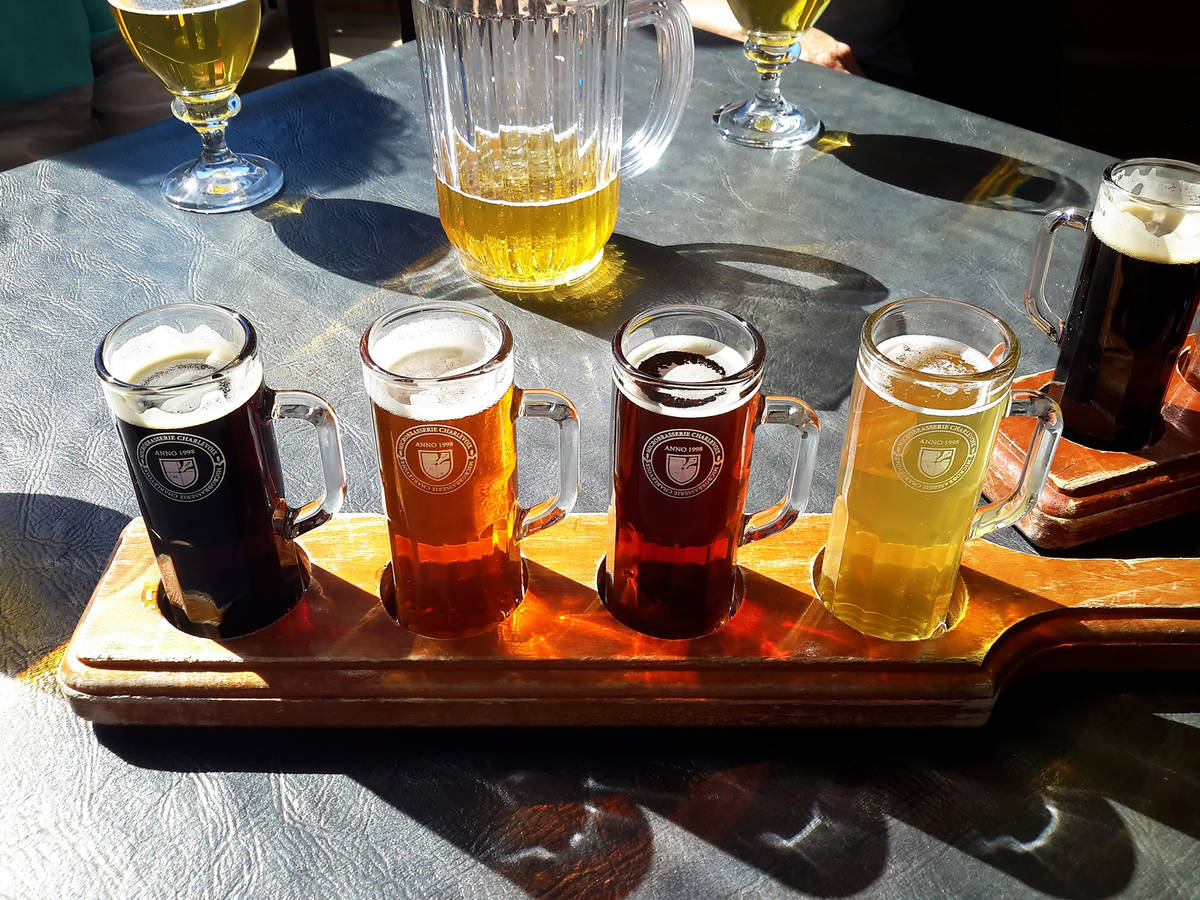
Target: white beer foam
column 171, row 7
column 1149, row 231
column 435, row 348
column 154, row 353
column 723, row 398
column 934, row 356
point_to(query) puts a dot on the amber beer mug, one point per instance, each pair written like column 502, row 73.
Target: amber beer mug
column 440, row 379
column 1135, row 296
column 932, row 383
column 185, row 386
column 686, row 406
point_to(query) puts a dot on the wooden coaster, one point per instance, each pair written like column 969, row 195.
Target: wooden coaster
column 1092, row 494
column 338, row 659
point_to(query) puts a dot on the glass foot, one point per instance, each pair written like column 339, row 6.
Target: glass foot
column 236, row 182
column 754, row 123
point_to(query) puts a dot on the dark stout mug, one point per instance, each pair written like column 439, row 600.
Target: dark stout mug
column 1136, row 293
column 185, row 386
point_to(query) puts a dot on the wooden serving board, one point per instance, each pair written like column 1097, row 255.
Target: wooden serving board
column 338, row 659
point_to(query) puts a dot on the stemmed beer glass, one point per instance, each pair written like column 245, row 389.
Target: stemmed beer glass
column 199, row 50
column 773, row 32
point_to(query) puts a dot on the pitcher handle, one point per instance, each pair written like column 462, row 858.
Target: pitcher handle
column 676, row 55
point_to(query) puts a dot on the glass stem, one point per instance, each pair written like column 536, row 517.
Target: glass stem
column 768, row 93
column 209, row 118
column 214, row 151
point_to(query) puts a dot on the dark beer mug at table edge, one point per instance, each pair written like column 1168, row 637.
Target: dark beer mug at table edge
column 184, row 383
column 682, row 446
column 440, row 378
column 1136, row 293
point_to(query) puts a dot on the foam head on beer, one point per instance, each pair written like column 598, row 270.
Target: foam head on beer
column 427, row 348
column 933, row 356
column 171, row 360
column 1137, row 221
column 691, row 362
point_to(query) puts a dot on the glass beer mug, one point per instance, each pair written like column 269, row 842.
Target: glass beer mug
column 185, row 386
column 440, row 379
column 932, row 383
column 686, row 405
column 524, row 106
column 1135, row 296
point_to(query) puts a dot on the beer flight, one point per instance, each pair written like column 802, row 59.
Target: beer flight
column 527, row 171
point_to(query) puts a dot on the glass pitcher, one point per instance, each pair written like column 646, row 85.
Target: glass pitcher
column 524, row 105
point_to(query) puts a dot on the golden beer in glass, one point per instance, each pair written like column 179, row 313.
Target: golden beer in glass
column 933, row 381
column 191, row 46
column 777, row 16
column 529, row 209
column 768, row 119
column 199, row 50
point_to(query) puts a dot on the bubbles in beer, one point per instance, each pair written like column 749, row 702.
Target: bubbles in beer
column 169, row 360
column 682, row 366
column 687, row 360
column 439, row 348
column 171, row 7
column 934, row 356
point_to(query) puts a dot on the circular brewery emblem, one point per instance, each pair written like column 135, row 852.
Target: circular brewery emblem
column 437, row 459
column 181, row 466
column 934, row 455
column 682, row 462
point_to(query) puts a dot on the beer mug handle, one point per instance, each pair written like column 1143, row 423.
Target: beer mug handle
column 1004, row 512
column 774, row 519
column 1035, row 289
column 676, row 56
column 319, row 414
column 543, row 404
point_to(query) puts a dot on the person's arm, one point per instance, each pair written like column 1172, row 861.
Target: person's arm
column 823, row 49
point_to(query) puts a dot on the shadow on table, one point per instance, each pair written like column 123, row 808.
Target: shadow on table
column 366, row 241
column 54, row 551
column 1175, row 538
column 353, row 135
column 954, row 172
column 809, row 308
column 563, row 813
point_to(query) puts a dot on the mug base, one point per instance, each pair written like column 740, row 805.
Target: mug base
column 220, row 631
column 670, row 632
column 447, row 631
column 534, row 285
column 889, row 628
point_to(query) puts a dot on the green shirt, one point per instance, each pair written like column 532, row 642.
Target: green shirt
column 46, row 45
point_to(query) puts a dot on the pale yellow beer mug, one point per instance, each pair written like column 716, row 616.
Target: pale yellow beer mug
column 524, row 104
column 934, row 379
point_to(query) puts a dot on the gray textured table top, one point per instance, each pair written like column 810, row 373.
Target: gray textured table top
column 1080, row 787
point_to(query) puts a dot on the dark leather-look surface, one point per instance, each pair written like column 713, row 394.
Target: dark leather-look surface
column 1081, row 787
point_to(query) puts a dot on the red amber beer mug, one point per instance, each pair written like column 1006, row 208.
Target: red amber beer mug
column 686, row 406
column 440, row 379
column 185, row 386
column 933, row 381
column 1135, row 296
